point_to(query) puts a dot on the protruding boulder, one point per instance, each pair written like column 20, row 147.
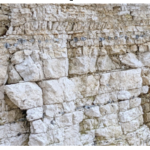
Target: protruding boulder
column 25, row 95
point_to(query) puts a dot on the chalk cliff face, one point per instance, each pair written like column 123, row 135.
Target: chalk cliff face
column 74, row 74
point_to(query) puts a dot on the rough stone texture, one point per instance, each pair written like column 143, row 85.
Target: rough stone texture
column 74, row 74
column 25, row 95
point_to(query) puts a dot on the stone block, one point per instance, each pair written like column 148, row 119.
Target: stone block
column 130, row 59
column 130, row 126
column 64, row 120
column 34, row 114
column 25, row 95
column 29, row 70
column 37, row 126
column 145, row 58
column 82, row 65
column 109, row 109
column 55, row 68
column 124, row 105
column 38, row 139
column 118, row 81
column 68, row 107
column 122, row 95
column 108, row 120
column 93, row 112
column 77, row 117
column 135, row 102
column 130, row 114
column 52, row 92
column 109, row 132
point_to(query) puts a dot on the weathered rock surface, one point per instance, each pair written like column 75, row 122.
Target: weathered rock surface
column 25, row 95
column 74, row 74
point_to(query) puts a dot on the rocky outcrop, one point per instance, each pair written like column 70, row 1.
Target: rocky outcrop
column 74, row 74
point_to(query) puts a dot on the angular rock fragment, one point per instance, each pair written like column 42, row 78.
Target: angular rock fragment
column 124, row 105
column 38, row 139
column 109, row 132
column 123, row 80
column 29, row 70
column 13, row 76
column 140, row 137
column 122, row 95
column 34, row 113
column 130, row 60
column 65, row 120
column 130, row 114
column 37, row 126
column 55, row 68
column 3, row 74
column 82, row 65
column 93, row 112
column 105, row 63
column 131, row 126
column 77, row 117
column 145, row 58
column 25, row 95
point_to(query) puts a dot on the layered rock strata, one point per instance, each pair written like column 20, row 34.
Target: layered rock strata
column 74, row 74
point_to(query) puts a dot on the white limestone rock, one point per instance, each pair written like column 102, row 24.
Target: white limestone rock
column 109, row 132
column 86, row 85
column 130, row 126
column 37, row 126
column 12, row 130
column 21, row 140
column 71, row 132
column 124, row 105
column 140, row 137
column 13, row 76
column 64, row 120
column 82, row 65
column 106, row 98
column 99, row 102
column 69, row 89
column 1, row 92
column 108, row 120
column 89, row 124
column 105, row 63
column 55, row 68
column 68, row 107
column 58, row 91
column 52, row 92
column 50, row 110
column 93, row 112
column 145, row 58
column 56, row 49
column 53, row 110
column 135, row 102
column 56, row 136
column 130, row 114
column 122, row 80
column 38, row 139
column 18, row 57
column 122, row 95
column 3, row 74
column 25, row 95
column 144, row 89
column 109, row 109
column 130, row 59
column 29, row 70
column 77, row 117
column 34, row 113
column 88, row 138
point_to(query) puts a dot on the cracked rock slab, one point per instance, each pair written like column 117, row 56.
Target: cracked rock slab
column 25, row 95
